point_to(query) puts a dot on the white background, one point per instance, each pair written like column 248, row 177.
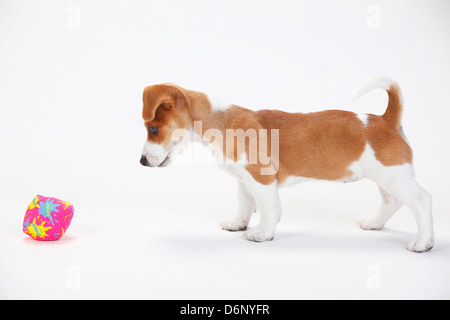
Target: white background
column 71, row 81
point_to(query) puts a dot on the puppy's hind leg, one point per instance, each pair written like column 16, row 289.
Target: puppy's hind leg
column 400, row 183
column 420, row 203
column 389, row 206
column 246, row 206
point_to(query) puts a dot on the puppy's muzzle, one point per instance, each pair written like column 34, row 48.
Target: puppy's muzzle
column 144, row 161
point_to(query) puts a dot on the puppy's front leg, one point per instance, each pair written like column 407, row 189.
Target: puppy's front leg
column 246, row 206
column 268, row 204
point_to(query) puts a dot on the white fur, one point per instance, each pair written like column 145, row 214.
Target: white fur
column 246, row 206
column 398, row 187
column 155, row 153
column 364, row 118
column 374, row 83
column 292, row 180
column 218, row 104
column 254, row 195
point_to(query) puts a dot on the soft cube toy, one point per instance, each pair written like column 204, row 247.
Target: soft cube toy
column 47, row 218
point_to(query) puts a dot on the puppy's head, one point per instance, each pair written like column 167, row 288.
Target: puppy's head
column 165, row 111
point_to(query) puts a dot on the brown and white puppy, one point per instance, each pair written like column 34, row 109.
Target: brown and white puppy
column 330, row 145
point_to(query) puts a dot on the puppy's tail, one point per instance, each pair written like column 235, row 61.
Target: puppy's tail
column 394, row 109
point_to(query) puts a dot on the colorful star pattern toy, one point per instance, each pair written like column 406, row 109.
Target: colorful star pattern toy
column 47, row 218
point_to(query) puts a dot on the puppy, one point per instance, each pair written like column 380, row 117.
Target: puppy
column 276, row 148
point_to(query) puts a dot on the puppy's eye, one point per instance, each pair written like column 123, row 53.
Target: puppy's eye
column 153, row 131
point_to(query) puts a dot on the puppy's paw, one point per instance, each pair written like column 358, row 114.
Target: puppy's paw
column 259, row 234
column 369, row 224
column 234, row 225
column 421, row 245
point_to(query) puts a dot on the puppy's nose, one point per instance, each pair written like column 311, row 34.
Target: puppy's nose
column 143, row 161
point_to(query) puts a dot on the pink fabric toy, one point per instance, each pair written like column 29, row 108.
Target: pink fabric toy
column 47, row 218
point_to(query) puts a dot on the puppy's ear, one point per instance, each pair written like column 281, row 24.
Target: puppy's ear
column 166, row 105
column 161, row 96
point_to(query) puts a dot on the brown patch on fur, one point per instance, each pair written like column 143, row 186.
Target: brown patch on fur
column 387, row 142
column 384, row 132
column 319, row 145
column 394, row 109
